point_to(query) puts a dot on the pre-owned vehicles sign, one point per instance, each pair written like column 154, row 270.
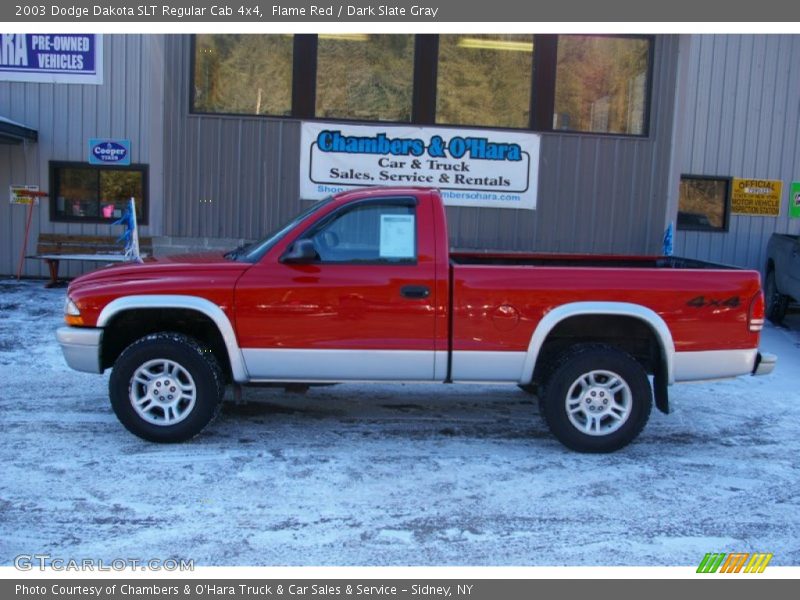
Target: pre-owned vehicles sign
column 52, row 57
column 471, row 167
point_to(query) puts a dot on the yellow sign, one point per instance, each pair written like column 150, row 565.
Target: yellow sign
column 18, row 197
column 756, row 197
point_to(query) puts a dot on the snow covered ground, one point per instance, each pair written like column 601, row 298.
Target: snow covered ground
column 387, row 475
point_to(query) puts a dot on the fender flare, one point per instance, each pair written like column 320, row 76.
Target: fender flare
column 195, row 303
column 625, row 309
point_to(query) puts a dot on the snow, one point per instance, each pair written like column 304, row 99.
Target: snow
column 388, row 475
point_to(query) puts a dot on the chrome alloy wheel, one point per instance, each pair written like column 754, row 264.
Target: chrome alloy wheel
column 162, row 392
column 599, row 402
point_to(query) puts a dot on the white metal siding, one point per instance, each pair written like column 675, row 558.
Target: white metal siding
column 742, row 120
column 127, row 105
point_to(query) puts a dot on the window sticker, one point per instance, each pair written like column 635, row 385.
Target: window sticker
column 397, row 236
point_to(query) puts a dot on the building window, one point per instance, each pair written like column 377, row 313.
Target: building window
column 484, row 80
column 601, row 84
column 365, row 77
column 704, row 203
column 96, row 194
column 573, row 83
column 245, row 74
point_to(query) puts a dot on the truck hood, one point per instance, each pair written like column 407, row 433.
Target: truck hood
column 210, row 276
column 175, row 266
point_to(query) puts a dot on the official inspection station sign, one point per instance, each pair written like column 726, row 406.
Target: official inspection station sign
column 51, row 57
column 471, row 167
column 756, row 197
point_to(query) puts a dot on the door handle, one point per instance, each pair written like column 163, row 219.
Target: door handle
column 415, row 291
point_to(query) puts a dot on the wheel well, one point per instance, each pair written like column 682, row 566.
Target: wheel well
column 630, row 334
column 128, row 326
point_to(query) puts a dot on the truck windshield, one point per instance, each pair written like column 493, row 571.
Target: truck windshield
column 253, row 251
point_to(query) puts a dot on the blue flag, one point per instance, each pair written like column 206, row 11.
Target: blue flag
column 668, row 241
column 129, row 237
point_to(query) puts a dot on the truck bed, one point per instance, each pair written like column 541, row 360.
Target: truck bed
column 498, row 300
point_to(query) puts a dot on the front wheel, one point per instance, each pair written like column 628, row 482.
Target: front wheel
column 598, row 398
column 166, row 387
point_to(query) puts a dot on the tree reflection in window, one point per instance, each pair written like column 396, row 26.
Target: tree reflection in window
column 601, row 84
column 484, row 80
column 248, row 74
column 704, row 203
column 361, row 76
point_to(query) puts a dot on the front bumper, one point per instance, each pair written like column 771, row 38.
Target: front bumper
column 765, row 363
column 81, row 347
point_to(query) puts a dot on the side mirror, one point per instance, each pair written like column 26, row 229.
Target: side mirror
column 300, row 253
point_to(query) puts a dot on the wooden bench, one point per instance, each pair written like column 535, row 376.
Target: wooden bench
column 55, row 247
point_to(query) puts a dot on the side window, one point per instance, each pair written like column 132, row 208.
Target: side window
column 704, row 203
column 84, row 193
column 372, row 233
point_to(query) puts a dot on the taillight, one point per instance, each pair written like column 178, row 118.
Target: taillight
column 755, row 315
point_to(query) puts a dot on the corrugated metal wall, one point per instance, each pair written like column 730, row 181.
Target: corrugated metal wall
column 225, row 176
column 238, row 176
column 742, row 120
column 127, row 105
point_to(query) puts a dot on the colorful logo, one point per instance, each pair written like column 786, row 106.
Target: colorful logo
column 735, row 562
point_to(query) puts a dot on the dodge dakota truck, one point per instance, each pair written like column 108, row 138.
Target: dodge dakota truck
column 362, row 286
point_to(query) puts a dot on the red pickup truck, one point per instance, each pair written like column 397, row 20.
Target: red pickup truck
column 362, row 287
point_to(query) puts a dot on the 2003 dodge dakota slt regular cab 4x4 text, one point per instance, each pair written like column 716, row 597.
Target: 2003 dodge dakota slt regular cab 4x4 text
column 362, row 287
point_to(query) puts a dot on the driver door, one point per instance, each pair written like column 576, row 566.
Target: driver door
column 362, row 309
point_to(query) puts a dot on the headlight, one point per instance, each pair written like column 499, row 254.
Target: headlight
column 72, row 314
column 71, row 309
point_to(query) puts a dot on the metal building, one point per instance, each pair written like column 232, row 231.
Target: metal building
column 210, row 176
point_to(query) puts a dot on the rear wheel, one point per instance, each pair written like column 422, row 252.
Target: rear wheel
column 166, row 387
column 598, row 398
column 776, row 302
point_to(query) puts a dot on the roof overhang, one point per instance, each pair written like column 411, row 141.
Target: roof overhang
column 12, row 132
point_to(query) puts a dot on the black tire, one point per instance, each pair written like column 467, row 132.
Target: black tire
column 776, row 303
column 192, row 390
column 586, row 379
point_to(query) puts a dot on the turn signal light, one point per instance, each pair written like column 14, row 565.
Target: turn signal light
column 76, row 320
